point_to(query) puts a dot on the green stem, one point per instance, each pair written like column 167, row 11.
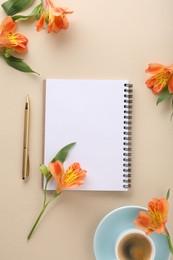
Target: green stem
column 45, row 189
column 41, row 213
column 169, row 242
column 42, row 3
column 37, row 220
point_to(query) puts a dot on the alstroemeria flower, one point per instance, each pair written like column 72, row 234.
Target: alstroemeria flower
column 73, row 177
column 162, row 78
column 54, row 17
column 155, row 218
column 8, row 39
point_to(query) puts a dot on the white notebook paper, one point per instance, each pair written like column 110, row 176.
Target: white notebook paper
column 96, row 115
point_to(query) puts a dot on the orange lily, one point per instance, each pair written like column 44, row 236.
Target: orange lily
column 14, row 41
column 54, row 16
column 155, row 218
column 73, row 177
column 162, row 78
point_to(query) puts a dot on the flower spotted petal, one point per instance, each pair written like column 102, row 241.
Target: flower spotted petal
column 74, row 176
column 158, row 208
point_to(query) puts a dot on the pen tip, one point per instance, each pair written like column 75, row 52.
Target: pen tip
column 27, row 102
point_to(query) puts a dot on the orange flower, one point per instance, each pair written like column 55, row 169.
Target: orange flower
column 7, row 25
column 54, row 16
column 14, row 41
column 155, row 218
column 73, row 177
column 40, row 22
column 162, row 78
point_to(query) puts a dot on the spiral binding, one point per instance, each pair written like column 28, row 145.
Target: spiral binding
column 128, row 95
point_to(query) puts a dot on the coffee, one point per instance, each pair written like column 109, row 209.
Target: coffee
column 134, row 246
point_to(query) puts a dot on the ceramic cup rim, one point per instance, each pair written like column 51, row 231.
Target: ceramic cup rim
column 134, row 231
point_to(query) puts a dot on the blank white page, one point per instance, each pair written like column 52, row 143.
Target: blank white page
column 90, row 113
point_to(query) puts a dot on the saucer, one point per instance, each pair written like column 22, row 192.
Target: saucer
column 113, row 224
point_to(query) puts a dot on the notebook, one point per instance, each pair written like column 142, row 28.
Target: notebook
column 96, row 114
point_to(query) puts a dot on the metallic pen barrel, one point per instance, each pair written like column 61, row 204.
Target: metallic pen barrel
column 25, row 167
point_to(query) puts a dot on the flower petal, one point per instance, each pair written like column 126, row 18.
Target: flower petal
column 7, row 25
column 143, row 221
column 74, row 176
column 170, row 85
column 56, row 169
column 157, row 88
column 40, row 22
column 154, row 68
column 158, row 208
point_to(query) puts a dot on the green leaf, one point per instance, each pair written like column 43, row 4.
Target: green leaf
column 36, row 12
column 168, row 194
column 163, row 95
column 62, row 154
column 18, row 64
column 12, row 7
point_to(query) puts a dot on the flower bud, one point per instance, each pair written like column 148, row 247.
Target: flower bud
column 44, row 170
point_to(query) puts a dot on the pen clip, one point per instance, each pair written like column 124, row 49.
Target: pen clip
column 25, row 168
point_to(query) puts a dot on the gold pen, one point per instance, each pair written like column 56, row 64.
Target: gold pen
column 25, row 167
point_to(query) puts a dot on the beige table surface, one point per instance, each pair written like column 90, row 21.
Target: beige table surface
column 106, row 40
